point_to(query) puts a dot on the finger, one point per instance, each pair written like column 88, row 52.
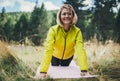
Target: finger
column 43, row 76
column 82, row 74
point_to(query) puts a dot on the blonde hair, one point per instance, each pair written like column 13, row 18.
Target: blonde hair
column 66, row 6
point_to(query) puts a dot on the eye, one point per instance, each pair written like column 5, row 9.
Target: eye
column 69, row 13
column 64, row 13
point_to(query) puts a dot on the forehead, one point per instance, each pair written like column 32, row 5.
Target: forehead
column 66, row 10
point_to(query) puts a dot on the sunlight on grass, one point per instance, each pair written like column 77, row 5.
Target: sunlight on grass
column 30, row 55
column 102, row 58
column 11, row 67
column 19, row 62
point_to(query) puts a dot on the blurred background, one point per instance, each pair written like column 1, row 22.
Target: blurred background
column 23, row 29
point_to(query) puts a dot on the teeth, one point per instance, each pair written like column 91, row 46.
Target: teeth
column 67, row 19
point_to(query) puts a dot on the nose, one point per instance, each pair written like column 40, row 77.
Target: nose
column 66, row 15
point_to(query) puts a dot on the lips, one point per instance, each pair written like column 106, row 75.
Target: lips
column 66, row 20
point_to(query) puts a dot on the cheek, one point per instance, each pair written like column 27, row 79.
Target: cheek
column 61, row 17
column 71, row 17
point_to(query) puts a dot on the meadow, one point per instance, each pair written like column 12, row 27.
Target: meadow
column 20, row 62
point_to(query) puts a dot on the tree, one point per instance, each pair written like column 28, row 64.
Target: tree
column 3, row 20
column 39, row 24
column 8, row 29
column 53, row 17
column 103, row 19
column 21, row 28
column 117, row 28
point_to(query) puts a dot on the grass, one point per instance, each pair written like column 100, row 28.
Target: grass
column 11, row 67
column 104, row 59
column 19, row 63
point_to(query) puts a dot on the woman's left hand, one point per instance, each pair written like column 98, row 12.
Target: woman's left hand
column 84, row 73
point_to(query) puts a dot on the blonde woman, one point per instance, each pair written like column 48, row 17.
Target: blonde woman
column 63, row 40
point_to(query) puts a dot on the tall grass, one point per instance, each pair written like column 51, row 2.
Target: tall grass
column 19, row 63
column 11, row 67
column 104, row 59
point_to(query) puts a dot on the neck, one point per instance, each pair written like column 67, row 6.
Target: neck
column 66, row 27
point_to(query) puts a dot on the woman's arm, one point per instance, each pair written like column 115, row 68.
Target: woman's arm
column 48, row 51
column 80, row 52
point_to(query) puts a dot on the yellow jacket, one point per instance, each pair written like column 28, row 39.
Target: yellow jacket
column 62, row 45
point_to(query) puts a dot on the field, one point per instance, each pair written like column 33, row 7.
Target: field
column 19, row 62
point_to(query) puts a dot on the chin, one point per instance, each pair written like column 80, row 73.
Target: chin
column 67, row 22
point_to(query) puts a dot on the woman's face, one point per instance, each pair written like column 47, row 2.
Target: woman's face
column 66, row 16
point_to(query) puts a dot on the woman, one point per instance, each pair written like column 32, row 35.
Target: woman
column 63, row 40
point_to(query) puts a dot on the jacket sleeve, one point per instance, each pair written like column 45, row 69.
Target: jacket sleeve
column 80, row 52
column 48, row 51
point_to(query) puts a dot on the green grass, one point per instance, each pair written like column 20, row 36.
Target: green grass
column 19, row 63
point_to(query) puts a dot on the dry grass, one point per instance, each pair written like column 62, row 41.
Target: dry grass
column 30, row 55
column 11, row 67
column 104, row 59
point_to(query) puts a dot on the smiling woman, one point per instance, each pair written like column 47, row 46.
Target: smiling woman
column 63, row 40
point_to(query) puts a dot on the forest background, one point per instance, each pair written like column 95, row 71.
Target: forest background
column 25, row 33
column 100, row 22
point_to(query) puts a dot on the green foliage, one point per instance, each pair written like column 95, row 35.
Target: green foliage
column 99, row 22
column 52, row 17
column 3, row 20
column 117, row 28
column 3, row 14
column 21, row 28
column 38, row 24
column 9, row 26
column 103, row 19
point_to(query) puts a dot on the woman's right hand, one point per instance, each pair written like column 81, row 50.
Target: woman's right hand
column 43, row 75
column 84, row 74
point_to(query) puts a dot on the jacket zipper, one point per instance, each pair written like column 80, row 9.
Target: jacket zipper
column 64, row 47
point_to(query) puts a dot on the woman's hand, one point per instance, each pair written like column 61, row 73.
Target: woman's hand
column 84, row 74
column 40, row 76
column 43, row 75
